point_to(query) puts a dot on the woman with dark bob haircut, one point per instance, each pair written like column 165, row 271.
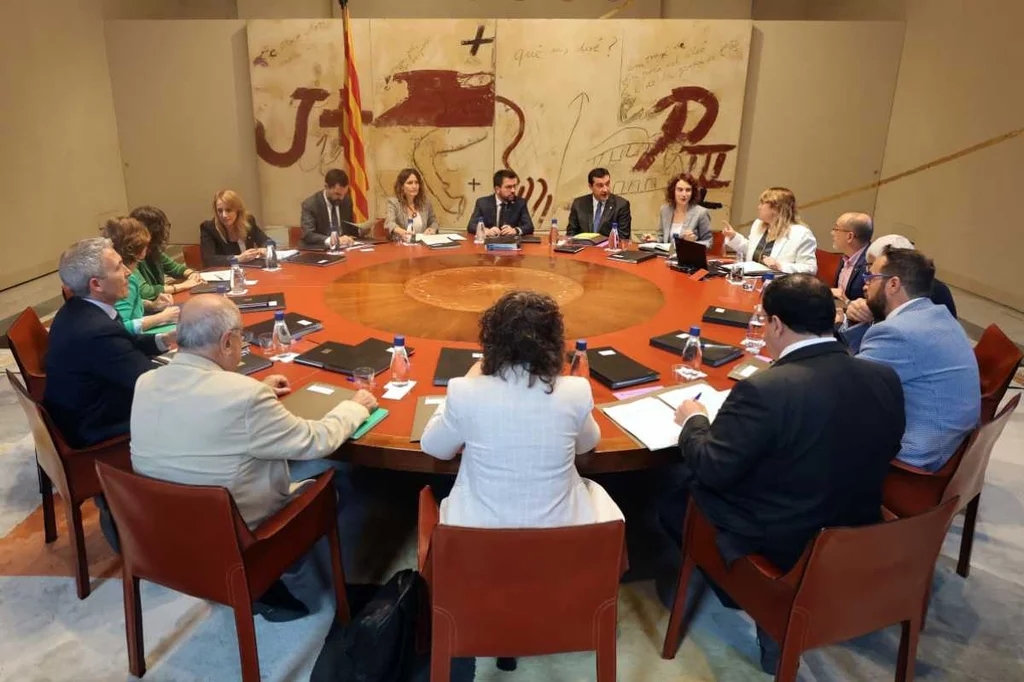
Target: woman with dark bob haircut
column 520, row 424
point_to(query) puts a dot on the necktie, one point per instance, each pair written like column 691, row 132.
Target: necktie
column 597, row 216
column 497, row 215
column 337, row 218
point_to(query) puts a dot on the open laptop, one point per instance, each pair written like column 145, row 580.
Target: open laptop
column 692, row 256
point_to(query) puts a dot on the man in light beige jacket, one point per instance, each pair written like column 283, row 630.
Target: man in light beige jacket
column 197, row 422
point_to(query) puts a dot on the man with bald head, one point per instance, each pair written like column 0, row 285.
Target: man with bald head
column 197, row 422
column 851, row 236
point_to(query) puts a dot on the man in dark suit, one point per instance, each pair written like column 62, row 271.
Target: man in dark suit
column 93, row 362
column 851, row 236
column 330, row 208
column 789, row 453
column 599, row 210
column 502, row 213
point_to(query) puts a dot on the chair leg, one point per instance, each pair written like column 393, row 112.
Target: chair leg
column 789, row 661
column 246, row 630
column 673, row 635
column 908, row 651
column 133, row 625
column 77, row 536
column 440, row 651
column 46, row 490
column 341, row 609
column 963, row 565
column 606, row 644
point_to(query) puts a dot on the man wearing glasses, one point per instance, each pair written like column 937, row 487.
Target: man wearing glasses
column 929, row 351
column 851, row 236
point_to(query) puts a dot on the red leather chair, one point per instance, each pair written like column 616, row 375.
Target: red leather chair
column 998, row 358
column 849, row 581
column 193, row 256
column 294, row 236
column 909, row 490
column 72, row 471
column 520, row 592
column 829, row 264
column 192, row 539
column 29, row 341
column 717, row 244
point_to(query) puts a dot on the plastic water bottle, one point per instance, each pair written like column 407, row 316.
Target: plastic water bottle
column 479, row 238
column 237, row 277
column 399, row 362
column 553, row 237
column 754, row 340
column 766, row 279
column 272, row 262
column 408, row 231
column 335, row 242
column 692, row 354
column 613, row 239
column 580, row 366
column 282, row 338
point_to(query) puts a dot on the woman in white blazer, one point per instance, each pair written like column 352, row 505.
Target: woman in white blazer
column 681, row 214
column 777, row 238
column 409, row 203
column 519, row 424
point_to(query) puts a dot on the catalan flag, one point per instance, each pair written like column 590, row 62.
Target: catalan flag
column 352, row 126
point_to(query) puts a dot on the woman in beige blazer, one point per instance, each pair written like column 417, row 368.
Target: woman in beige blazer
column 409, row 212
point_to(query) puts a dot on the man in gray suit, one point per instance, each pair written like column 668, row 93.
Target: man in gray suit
column 929, row 351
column 597, row 211
column 196, row 422
column 329, row 209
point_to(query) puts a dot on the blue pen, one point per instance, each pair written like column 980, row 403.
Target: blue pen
column 697, row 397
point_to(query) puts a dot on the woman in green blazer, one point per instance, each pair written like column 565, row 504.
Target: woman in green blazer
column 157, row 265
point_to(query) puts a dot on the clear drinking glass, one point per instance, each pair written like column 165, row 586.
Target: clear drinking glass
column 266, row 341
column 736, row 274
column 364, row 378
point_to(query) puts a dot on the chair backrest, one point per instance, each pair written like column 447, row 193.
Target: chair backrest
column 829, row 264
column 294, row 235
column 47, row 453
column 193, row 256
column 998, row 359
column 861, row 579
column 969, row 477
column 187, row 537
column 525, row 592
column 717, row 244
column 29, row 340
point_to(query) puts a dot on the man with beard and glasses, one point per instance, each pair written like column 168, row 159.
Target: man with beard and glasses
column 929, row 351
column 329, row 209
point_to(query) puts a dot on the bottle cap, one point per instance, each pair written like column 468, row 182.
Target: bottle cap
column 234, row 260
column 399, row 339
column 554, row 221
column 278, row 315
column 270, row 242
column 768, row 276
column 694, row 331
column 581, row 344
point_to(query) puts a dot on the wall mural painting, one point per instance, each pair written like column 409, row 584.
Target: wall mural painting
column 459, row 99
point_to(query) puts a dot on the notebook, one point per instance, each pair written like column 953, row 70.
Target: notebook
column 713, row 353
column 650, row 419
column 748, row 368
column 315, row 400
column 426, row 406
column 249, row 363
column 210, row 288
column 727, row 316
column 633, row 257
column 615, row 370
column 344, row 358
column 437, row 241
column 319, row 259
column 298, row 325
column 529, row 239
column 660, row 248
column 248, row 304
column 589, row 238
column 453, row 363
column 569, row 247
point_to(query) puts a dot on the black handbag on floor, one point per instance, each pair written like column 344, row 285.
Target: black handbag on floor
column 378, row 645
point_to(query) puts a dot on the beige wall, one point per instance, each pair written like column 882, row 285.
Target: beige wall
column 60, row 175
column 706, row 9
column 170, row 9
column 815, row 115
column 960, row 84
column 184, row 109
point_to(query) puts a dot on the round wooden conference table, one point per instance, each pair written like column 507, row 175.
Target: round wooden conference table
column 435, row 296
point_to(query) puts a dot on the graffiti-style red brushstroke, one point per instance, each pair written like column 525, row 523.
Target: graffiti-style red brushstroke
column 442, row 99
column 307, row 97
column 672, row 128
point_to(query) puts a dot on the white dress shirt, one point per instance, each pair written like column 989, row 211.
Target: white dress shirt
column 161, row 339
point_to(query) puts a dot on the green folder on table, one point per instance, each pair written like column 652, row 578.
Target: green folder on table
column 375, row 418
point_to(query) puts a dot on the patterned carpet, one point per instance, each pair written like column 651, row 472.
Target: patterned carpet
column 974, row 629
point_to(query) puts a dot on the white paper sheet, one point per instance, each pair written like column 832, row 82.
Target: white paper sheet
column 392, row 392
column 752, row 268
column 709, row 398
column 286, row 253
column 216, row 276
column 649, row 420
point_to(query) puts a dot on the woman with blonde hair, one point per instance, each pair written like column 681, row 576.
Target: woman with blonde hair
column 777, row 238
column 232, row 232
column 410, row 203
column 130, row 239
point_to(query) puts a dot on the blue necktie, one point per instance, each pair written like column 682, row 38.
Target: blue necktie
column 597, row 216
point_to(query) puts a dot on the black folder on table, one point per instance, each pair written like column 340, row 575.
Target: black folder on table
column 345, row 358
column 569, row 247
column 298, row 325
column 615, row 370
column 453, row 363
column 727, row 316
column 250, row 364
column 713, row 353
column 632, row 256
column 529, row 239
column 248, row 304
column 210, row 288
column 320, row 259
column 255, row 263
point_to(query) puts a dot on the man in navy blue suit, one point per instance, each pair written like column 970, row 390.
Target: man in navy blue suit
column 502, row 213
column 851, row 236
